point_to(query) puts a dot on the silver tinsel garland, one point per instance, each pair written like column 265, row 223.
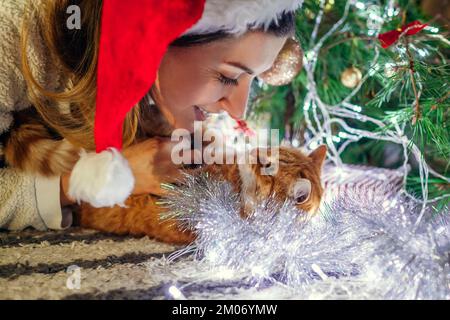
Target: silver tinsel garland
column 363, row 244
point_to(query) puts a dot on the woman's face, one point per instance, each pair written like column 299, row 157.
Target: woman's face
column 213, row 77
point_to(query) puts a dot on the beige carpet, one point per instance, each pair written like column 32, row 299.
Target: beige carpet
column 37, row 265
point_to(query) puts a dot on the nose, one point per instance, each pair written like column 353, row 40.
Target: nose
column 235, row 103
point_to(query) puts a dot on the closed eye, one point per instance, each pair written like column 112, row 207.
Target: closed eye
column 228, row 81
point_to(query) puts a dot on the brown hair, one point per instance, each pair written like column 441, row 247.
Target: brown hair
column 76, row 52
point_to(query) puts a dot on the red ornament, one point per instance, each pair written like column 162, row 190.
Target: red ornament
column 389, row 38
column 243, row 126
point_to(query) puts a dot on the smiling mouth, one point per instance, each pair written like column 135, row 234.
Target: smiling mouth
column 201, row 114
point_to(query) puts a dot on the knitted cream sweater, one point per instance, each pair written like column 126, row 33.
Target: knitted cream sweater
column 25, row 200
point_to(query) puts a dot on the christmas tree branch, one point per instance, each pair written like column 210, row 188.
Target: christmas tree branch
column 396, row 85
column 417, row 112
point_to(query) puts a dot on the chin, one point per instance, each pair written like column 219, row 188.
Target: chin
column 186, row 120
column 190, row 129
column 186, row 126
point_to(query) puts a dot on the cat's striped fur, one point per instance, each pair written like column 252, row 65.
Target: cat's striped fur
column 30, row 150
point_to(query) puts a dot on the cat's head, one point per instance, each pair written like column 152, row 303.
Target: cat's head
column 286, row 174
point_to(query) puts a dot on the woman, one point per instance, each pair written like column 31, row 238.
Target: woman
column 45, row 65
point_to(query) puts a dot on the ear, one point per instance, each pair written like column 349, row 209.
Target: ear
column 319, row 155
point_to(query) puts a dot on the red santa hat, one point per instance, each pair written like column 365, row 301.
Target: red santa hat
column 135, row 34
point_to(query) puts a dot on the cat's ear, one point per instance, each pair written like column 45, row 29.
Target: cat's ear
column 319, row 155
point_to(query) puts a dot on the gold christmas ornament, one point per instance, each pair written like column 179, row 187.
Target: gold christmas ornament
column 287, row 65
column 351, row 77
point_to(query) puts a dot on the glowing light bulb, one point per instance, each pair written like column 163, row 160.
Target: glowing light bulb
column 356, row 108
column 212, row 256
column 225, row 273
column 310, row 55
column 176, row 293
column 319, row 271
column 258, row 271
column 394, row 120
column 360, row 5
column 295, row 143
column 432, row 29
column 374, row 16
column 306, row 106
column 313, row 145
column 423, row 53
column 343, row 135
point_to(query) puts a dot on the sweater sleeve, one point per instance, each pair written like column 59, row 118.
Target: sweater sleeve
column 12, row 84
column 18, row 205
column 25, row 200
column 49, row 203
column 14, row 94
column 18, row 208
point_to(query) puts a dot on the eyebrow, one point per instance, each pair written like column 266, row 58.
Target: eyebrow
column 242, row 67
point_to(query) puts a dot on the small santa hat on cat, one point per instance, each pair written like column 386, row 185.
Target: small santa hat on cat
column 134, row 37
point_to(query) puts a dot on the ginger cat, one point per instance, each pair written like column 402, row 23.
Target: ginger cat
column 32, row 147
column 298, row 179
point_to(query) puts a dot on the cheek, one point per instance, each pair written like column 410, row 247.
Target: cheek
column 186, row 80
column 175, row 88
column 187, row 89
column 206, row 92
column 313, row 204
column 264, row 187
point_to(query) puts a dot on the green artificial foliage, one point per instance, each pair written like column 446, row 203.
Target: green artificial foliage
column 407, row 87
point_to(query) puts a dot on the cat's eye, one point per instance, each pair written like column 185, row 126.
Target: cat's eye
column 301, row 199
column 301, row 191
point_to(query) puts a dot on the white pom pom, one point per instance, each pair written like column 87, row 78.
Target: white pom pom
column 235, row 16
column 101, row 179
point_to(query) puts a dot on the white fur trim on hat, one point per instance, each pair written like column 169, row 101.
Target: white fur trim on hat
column 101, row 179
column 235, row 16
